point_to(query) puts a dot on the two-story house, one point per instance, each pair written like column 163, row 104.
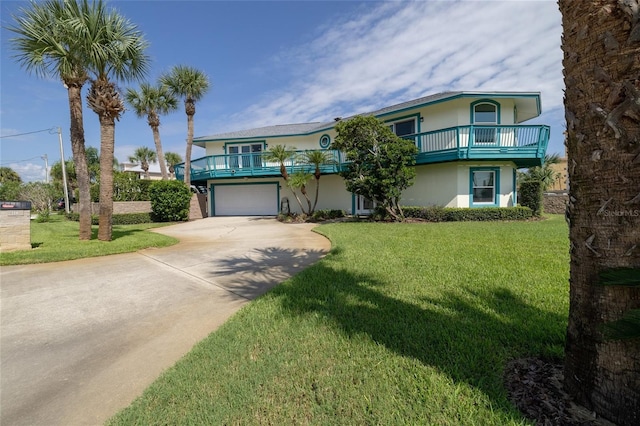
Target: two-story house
column 470, row 146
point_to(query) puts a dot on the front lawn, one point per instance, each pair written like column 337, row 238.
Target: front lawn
column 57, row 240
column 399, row 324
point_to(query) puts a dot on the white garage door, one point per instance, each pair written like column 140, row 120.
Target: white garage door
column 245, row 200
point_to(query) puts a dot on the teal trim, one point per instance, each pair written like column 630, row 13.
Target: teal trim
column 515, row 187
column 496, row 186
column 353, row 203
column 524, row 145
column 415, row 116
column 263, row 142
column 325, row 141
column 505, row 95
column 212, row 187
column 484, row 101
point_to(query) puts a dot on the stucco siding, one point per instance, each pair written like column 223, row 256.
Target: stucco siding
column 435, row 185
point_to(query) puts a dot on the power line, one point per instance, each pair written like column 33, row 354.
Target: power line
column 28, row 133
column 19, row 161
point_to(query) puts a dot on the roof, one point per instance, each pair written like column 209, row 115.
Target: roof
column 526, row 111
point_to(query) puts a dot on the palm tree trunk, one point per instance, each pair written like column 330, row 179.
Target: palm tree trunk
column 74, row 93
column 315, row 200
column 187, row 160
column 602, row 64
column 107, row 143
column 159, row 153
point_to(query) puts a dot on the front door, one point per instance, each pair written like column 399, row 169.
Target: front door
column 364, row 205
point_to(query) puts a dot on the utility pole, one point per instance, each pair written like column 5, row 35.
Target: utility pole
column 64, row 173
column 46, row 168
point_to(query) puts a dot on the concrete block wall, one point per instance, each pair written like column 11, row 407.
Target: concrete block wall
column 122, row 207
column 15, row 230
column 198, row 207
column 555, row 202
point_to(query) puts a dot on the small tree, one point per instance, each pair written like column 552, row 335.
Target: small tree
column 316, row 159
column 298, row 182
column 380, row 163
column 41, row 196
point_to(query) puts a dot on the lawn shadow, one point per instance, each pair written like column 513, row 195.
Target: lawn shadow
column 469, row 335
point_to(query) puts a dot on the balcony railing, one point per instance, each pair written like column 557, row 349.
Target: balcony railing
column 524, row 145
column 255, row 164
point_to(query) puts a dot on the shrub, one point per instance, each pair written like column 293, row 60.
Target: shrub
column 170, row 200
column 327, row 214
column 530, row 195
column 43, row 216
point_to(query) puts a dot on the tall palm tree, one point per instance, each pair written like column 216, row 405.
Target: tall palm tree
column 49, row 43
column 172, row 159
column 151, row 101
column 144, row 156
column 601, row 68
column 118, row 56
column 190, row 84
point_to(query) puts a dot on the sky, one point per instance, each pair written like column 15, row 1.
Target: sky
column 283, row 62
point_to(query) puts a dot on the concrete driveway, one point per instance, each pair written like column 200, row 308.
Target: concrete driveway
column 81, row 339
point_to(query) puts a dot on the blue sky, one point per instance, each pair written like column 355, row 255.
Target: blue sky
column 277, row 62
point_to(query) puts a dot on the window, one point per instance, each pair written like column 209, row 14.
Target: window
column 251, row 155
column 403, row 128
column 485, row 114
column 325, row 141
column 484, row 187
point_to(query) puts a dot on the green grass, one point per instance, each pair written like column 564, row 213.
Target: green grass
column 57, row 240
column 399, row 324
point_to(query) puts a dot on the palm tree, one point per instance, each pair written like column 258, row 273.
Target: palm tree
column 544, row 174
column 280, row 154
column 172, row 159
column 601, row 68
column 191, row 85
column 144, row 156
column 151, row 101
column 49, row 43
column 317, row 159
column 118, row 54
column 7, row 174
column 298, row 181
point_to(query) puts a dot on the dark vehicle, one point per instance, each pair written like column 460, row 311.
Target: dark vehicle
column 60, row 203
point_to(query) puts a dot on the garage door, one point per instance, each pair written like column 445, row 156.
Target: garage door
column 245, row 200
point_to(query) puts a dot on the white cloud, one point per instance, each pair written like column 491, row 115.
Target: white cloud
column 397, row 51
column 29, row 172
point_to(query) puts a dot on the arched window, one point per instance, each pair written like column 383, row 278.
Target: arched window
column 485, row 114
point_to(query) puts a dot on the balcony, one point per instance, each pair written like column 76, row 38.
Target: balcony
column 250, row 165
column 525, row 145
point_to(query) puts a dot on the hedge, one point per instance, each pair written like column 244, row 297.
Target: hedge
column 118, row 219
column 451, row 214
